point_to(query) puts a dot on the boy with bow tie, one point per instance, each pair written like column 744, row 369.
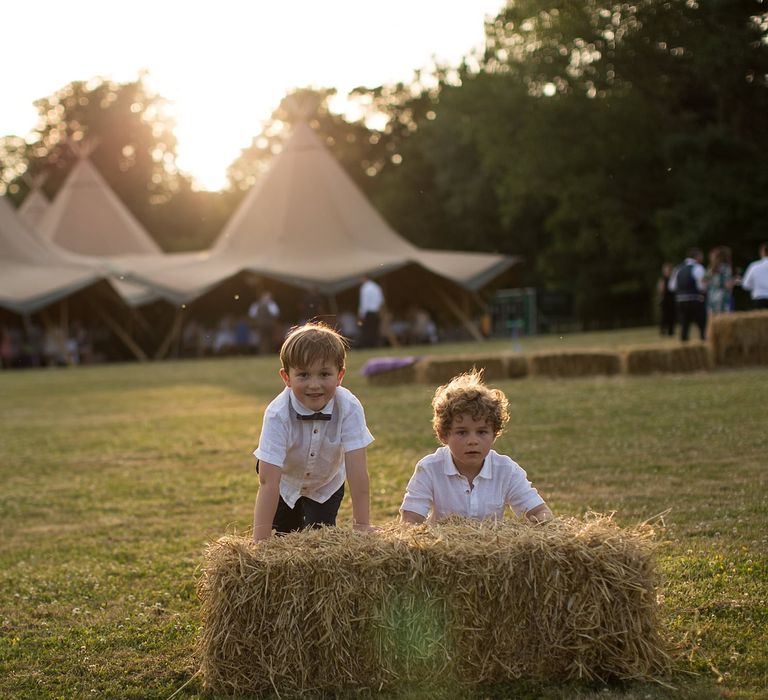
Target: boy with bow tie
column 314, row 437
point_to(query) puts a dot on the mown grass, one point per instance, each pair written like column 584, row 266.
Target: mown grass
column 115, row 477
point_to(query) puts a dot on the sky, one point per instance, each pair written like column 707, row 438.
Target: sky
column 224, row 65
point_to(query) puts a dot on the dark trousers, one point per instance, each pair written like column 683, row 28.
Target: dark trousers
column 760, row 303
column 667, row 325
column 369, row 332
column 689, row 312
column 307, row 513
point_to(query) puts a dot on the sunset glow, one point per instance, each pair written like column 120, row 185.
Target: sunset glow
column 225, row 71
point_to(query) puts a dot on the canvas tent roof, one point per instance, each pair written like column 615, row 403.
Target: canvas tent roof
column 141, row 279
column 33, row 208
column 87, row 217
column 307, row 223
column 33, row 274
column 90, row 222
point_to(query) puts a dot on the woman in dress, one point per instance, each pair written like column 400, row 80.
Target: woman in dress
column 719, row 281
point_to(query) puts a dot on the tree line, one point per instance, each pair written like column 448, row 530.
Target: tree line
column 594, row 139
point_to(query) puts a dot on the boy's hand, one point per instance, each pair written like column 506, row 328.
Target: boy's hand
column 540, row 514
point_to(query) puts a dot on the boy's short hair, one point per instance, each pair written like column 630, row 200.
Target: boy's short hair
column 467, row 394
column 305, row 345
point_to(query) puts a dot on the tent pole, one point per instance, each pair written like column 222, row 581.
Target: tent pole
column 454, row 308
column 139, row 318
column 478, row 299
column 115, row 327
column 174, row 331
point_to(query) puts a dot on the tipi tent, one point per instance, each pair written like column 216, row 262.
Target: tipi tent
column 307, row 224
column 33, row 274
column 33, row 208
column 87, row 217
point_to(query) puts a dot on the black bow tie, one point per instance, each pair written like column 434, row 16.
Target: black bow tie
column 314, row 416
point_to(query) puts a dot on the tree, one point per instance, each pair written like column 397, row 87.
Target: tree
column 126, row 127
column 643, row 139
column 129, row 136
column 13, row 166
column 437, row 191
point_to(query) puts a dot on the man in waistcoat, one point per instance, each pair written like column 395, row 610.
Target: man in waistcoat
column 689, row 285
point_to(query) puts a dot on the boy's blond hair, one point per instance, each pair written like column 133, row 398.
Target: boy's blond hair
column 313, row 341
column 467, row 394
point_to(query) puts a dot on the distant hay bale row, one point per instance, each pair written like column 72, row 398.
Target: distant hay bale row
column 574, row 364
column 458, row 604
column 695, row 357
column 739, row 339
column 441, row 369
column 735, row 340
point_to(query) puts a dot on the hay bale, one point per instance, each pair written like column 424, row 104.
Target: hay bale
column 575, row 363
column 389, row 371
column 516, row 366
column 461, row 603
column 440, row 370
column 739, row 339
column 693, row 357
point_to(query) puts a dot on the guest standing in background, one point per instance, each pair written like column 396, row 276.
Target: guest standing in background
column 369, row 313
column 689, row 285
column 666, row 301
column 755, row 279
column 265, row 313
column 719, row 281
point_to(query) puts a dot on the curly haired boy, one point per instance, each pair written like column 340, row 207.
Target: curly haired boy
column 465, row 476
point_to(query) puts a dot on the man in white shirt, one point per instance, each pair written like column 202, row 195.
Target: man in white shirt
column 369, row 312
column 755, row 279
column 265, row 313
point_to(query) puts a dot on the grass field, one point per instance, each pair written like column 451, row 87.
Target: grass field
column 115, row 477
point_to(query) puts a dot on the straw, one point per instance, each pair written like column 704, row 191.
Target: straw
column 691, row 357
column 463, row 602
column 441, row 369
column 740, row 339
column 575, row 364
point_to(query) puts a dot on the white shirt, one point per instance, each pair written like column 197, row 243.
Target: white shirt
column 272, row 307
column 755, row 279
column 438, row 490
column 311, row 452
column 371, row 298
